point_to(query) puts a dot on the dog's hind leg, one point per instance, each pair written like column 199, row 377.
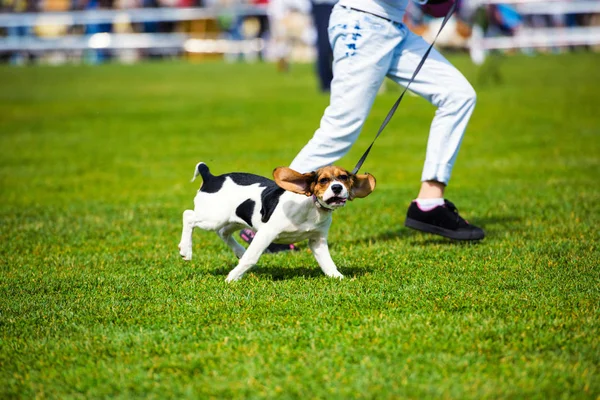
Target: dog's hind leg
column 185, row 245
column 191, row 220
column 320, row 249
column 261, row 241
column 225, row 233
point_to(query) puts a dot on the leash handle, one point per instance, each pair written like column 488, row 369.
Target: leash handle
column 397, row 103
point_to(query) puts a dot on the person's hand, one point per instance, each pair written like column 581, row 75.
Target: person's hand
column 437, row 8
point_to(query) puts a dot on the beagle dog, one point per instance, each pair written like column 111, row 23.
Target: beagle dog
column 292, row 208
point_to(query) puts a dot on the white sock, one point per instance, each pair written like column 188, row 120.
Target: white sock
column 429, row 204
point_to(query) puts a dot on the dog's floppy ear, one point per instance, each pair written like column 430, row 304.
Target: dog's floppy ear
column 288, row 179
column 362, row 186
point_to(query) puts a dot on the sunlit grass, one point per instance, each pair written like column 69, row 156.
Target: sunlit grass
column 94, row 172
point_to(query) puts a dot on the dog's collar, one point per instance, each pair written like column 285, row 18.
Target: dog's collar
column 319, row 204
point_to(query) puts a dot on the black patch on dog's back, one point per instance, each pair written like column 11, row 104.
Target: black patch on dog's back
column 245, row 211
column 244, row 179
column 212, row 184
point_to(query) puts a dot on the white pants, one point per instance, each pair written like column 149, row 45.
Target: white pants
column 366, row 49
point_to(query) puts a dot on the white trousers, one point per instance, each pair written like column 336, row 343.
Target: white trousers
column 366, row 49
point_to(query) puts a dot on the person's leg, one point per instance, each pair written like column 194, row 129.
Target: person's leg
column 363, row 47
column 446, row 88
column 321, row 13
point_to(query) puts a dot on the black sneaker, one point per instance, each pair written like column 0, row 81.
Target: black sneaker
column 442, row 220
column 248, row 234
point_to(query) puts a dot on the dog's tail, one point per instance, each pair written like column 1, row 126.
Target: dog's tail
column 202, row 170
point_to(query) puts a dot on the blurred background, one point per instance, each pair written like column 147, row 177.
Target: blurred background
column 280, row 31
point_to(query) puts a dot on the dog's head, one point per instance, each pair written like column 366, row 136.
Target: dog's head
column 331, row 186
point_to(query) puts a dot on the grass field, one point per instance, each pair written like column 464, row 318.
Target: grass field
column 95, row 302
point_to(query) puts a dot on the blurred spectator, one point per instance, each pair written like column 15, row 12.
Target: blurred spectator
column 255, row 26
column 230, row 24
column 97, row 56
column 491, row 20
column 321, row 10
column 21, row 5
column 503, row 19
column 286, row 25
column 20, row 32
column 263, row 20
column 150, row 26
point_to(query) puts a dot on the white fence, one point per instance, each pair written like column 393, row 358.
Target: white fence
column 171, row 43
column 528, row 37
column 182, row 42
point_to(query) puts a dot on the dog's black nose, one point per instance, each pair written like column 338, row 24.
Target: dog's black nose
column 337, row 188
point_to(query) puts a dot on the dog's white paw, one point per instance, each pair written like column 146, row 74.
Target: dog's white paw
column 336, row 275
column 185, row 252
column 233, row 277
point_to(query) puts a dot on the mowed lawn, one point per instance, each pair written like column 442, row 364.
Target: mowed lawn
column 95, row 301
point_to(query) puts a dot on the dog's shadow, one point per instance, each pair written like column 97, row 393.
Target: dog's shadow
column 282, row 274
column 494, row 227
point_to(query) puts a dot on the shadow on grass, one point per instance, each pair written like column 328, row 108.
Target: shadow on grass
column 493, row 226
column 281, row 274
column 506, row 222
column 365, row 241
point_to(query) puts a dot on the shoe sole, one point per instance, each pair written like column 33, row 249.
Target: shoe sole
column 437, row 230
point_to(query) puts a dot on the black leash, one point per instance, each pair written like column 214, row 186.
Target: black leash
column 397, row 103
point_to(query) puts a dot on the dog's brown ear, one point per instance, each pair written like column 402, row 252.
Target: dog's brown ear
column 362, row 186
column 288, row 179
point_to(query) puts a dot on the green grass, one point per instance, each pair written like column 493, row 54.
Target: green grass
column 95, row 302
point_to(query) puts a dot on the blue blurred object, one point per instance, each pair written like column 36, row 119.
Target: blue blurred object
column 507, row 18
column 96, row 56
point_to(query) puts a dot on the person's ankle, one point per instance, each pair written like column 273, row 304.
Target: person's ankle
column 431, row 190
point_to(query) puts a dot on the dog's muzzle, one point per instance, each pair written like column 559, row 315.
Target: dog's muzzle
column 331, row 203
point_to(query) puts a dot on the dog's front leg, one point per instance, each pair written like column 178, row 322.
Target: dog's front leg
column 320, row 249
column 261, row 241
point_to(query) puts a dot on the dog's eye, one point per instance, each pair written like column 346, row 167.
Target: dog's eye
column 343, row 178
column 323, row 181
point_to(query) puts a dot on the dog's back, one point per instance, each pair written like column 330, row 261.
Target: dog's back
column 235, row 197
column 213, row 184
